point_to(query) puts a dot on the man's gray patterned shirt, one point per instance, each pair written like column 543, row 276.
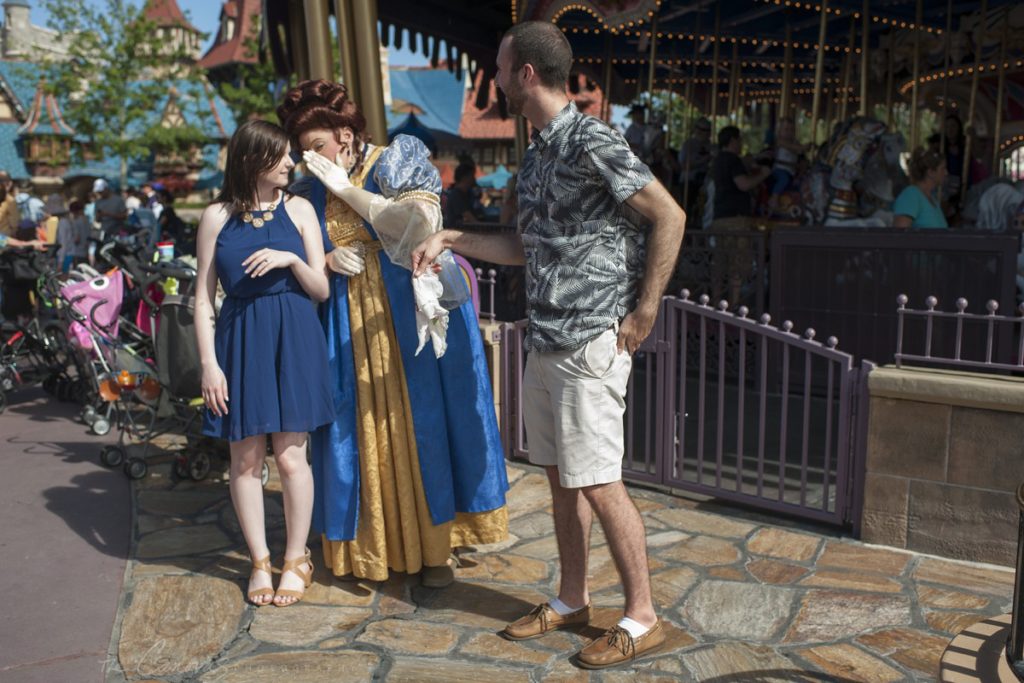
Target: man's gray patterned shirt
column 585, row 247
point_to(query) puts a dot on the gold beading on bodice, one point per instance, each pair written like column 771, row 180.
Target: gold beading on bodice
column 344, row 225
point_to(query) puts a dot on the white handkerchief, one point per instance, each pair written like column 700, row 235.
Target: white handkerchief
column 431, row 316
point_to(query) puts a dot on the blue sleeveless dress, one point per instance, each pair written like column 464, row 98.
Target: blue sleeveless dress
column 268, row 339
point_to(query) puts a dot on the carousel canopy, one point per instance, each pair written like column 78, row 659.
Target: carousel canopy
column 733, row 52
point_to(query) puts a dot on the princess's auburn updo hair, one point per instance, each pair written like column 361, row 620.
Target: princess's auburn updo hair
column 322, row 104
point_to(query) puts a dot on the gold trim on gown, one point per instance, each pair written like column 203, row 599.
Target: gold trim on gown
column 395, row 529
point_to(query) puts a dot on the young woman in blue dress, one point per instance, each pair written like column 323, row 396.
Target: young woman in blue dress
column 264, row 356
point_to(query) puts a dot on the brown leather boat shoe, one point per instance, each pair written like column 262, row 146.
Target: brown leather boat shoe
column 543, row 619
column 616, row 647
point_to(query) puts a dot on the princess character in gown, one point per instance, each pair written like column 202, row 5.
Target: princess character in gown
column 264, row 356
column 413, row 465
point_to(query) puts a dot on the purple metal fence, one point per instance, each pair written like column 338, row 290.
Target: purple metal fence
column 734, row 408
column 962, row 345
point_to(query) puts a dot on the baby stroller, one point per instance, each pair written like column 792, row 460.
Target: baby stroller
column 93, row 307
column 166, row 396
column 32, row 349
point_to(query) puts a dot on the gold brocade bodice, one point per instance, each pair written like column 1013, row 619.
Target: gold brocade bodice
column 344, row 225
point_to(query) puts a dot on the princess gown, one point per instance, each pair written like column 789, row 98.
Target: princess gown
column 268, row 340
column 413, row 465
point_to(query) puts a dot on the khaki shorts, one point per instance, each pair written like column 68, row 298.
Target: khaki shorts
column 573, row 404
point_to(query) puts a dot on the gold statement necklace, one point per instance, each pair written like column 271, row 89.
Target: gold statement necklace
column 257, row 219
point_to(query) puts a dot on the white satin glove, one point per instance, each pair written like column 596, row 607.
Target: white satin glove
column 334, row 177
column 347, row 261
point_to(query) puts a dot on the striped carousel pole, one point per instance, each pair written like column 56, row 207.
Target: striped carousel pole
column 979, row 44
column 1000, row 96
column 865, row 35
column 819, row 71
column 716, row 53
column 786, row 97
column 914, row 95
column 945, row 75
column 691, row 120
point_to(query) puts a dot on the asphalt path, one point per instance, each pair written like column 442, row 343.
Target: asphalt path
column 64, row 538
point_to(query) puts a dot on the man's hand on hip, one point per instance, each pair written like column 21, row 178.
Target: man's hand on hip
column 635, row 327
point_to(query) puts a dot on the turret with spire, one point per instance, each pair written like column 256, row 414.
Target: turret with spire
column 173, row 29
column 45, row 137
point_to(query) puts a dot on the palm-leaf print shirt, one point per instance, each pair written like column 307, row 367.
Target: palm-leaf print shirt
column 585, row 247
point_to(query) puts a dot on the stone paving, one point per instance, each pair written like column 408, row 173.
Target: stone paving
column 745, row 598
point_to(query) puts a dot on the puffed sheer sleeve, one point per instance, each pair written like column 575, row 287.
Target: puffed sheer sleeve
column 411, row 186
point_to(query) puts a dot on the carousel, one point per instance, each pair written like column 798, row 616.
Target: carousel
column 861, row 77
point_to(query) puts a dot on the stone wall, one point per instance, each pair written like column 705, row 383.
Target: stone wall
column 945, row 453
column 490, row 331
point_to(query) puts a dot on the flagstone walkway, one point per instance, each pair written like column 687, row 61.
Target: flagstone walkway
column 745, row 600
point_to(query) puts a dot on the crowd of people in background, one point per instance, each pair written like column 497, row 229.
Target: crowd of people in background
column 720, row 184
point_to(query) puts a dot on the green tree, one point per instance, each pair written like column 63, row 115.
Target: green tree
column 254, row 91
column 121, row 68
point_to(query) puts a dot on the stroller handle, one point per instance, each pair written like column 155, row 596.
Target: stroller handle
column 105, row 329
column 165, row 270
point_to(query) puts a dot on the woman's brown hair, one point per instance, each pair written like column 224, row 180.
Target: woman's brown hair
column 324, row 105
column 922, row 161
column 255, row 148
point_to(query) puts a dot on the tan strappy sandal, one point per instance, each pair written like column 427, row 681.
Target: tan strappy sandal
column 293, row 566
column 261, row 566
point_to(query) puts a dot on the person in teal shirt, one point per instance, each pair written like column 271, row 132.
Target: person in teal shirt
column 918, row 205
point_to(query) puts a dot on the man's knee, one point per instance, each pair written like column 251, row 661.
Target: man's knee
column 600, row 495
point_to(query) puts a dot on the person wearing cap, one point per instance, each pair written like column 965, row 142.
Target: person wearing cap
column 694, row 162
column 111, row 211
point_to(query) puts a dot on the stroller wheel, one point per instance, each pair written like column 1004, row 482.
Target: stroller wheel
column 3, row 401
column 181, row 468
column 80, row 392
column 265, row 474
column 135, row 468
column 199, row 465
column 101, row 426
column 62, row 389
column 112, row 456
column 50, row 385
column 88, row 415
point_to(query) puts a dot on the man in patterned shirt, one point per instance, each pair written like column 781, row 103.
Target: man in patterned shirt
column 599, row 237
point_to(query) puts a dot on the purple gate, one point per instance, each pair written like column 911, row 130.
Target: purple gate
column 734, row 408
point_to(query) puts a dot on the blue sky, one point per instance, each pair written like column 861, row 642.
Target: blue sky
column 205, row 14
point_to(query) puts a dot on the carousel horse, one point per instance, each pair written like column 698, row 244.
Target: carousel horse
column 855, row 176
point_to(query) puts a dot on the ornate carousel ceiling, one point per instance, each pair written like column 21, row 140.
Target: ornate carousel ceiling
column 735, row 49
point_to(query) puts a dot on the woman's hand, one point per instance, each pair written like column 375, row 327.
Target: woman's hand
column 263, row 261
column 215, row 390
column 334, row 177
column 347, row 261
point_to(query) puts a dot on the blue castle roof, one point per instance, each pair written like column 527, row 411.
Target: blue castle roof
column 435, row 93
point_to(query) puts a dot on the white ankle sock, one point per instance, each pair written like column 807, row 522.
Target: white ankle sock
column 562, row 608
column 635, row 628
